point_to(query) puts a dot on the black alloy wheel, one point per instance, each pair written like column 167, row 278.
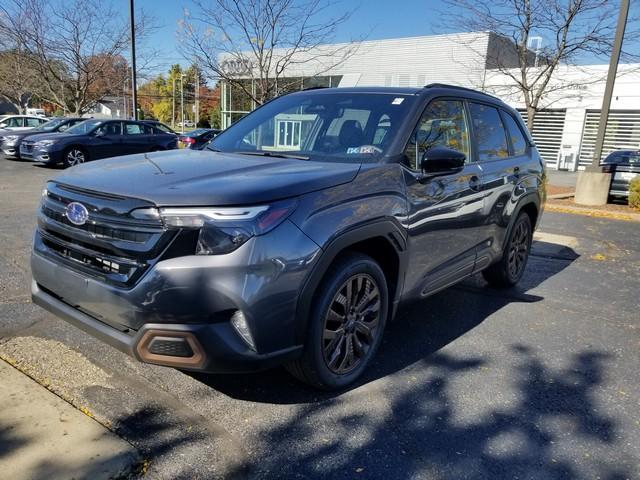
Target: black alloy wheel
column 345, row 324
column 351, row 324
column 510, row 268
column 519, row 249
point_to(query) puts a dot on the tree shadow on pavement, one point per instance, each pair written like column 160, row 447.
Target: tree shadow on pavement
column 423, row 433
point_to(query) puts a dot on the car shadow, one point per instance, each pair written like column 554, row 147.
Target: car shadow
column 420, row 329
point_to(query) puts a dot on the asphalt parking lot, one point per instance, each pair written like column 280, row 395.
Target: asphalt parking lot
column 539, row 382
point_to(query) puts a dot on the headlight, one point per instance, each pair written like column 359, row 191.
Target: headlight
column 10, row 139
column 222, row 229
column 44, row 143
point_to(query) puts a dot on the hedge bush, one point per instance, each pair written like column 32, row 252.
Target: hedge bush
column 634, row 193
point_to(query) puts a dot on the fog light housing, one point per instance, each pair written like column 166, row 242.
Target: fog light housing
column 172, row 348
column 239, row 322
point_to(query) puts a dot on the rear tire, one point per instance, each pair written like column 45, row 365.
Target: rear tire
column 509, row 270
column 74, row 156
column 346, row 324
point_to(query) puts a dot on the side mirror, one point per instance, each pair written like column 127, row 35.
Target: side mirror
column 439, row 161
column 99, row 133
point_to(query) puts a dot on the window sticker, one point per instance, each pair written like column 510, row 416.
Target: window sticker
column 397, row 101
column 363, row 150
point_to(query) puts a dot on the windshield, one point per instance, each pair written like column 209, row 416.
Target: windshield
column 84, row 127
column 51, row 124
column 319, row 126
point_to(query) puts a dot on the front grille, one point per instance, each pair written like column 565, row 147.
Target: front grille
column 111, row 245
column 26, row 146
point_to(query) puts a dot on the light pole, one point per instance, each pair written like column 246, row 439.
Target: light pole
column 182, row 75
column 197, row 119
column 134, row 93
column 173, row 109
column 593, row 184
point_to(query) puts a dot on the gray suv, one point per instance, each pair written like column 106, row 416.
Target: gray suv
column 294, row 237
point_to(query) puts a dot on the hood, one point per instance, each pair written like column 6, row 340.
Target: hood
column 46, row 136
column 200, row 178
column 27, row 133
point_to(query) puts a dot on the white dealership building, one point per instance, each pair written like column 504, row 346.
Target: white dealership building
column 564, row 129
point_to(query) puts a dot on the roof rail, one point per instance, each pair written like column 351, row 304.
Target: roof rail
column 457, row 87
column 317, row 87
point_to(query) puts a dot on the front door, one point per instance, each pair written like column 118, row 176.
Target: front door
column 445, row 222
column 107, row 140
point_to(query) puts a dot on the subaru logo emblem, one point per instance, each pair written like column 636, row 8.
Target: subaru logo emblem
column 77, row 213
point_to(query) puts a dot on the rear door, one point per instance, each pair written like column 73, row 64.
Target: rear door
column 137, row 138
column 446, row 218
column 504, row 156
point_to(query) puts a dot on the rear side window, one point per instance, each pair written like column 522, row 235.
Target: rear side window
column 33, row 122
column 518, row 142
column 133, row 129
column 491, row 140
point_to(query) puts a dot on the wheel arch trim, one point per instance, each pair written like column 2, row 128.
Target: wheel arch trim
column 388, row 229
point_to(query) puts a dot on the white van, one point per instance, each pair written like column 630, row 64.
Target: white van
column 36, row 111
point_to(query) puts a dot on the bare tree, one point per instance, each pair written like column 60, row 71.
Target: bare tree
column 75, row 46
column 569, row 31
column 18, row 78
column 263, row 40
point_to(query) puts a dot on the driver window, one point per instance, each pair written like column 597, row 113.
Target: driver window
column 443, row 124
column 110, row 129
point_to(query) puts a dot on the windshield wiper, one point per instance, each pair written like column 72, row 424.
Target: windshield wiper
column 275, row 155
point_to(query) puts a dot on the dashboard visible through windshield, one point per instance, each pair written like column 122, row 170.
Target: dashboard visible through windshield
column 319, row 126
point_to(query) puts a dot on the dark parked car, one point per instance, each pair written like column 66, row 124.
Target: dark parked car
column 10, row 142
column 197, row 139
column 624, row 165
column 294, row 236
column 95, row 139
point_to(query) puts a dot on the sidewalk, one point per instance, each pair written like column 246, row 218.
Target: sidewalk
column 44, row 437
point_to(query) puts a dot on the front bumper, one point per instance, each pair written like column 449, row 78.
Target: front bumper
column 193, row 296
column 41, row 155
column 221, row 349
column 9, row 151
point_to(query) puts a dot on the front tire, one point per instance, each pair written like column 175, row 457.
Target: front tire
column 509, row 270
column 74, row 156
column 346, row 325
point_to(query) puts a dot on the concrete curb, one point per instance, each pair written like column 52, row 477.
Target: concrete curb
column 592, row 212
column 561, row 196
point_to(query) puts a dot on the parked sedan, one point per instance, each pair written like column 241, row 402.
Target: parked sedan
column 197, row 139
column 624, row 165
column 10, row 141
column 95, row 139
column 20, row 122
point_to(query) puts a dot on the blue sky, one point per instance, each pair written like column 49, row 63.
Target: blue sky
column 374, row 19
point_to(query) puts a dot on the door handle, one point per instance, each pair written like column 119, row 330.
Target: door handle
column 474, row 183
